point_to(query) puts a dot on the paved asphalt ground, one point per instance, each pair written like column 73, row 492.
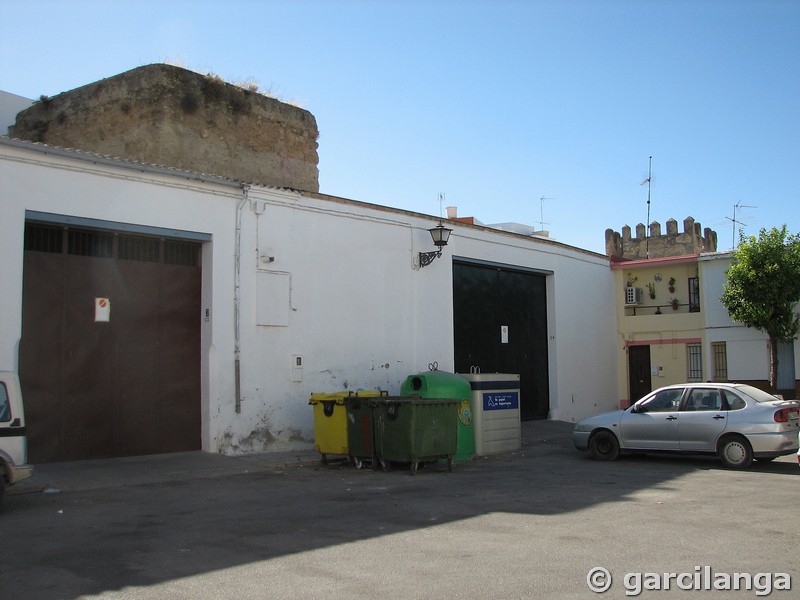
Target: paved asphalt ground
column 525, row 525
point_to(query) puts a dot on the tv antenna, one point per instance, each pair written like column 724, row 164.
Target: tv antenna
column 648, row 180
column 541, row 212
column 735, row 222
column 441, row 203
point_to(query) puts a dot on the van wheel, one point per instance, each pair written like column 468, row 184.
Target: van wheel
column 604, row 446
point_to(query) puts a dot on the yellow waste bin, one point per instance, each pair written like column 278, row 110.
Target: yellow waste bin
column 330, row 421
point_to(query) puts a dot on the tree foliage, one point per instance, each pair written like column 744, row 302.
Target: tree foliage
column 763, row 287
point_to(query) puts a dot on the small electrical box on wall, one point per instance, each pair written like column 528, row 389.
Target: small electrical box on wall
column 297, row 367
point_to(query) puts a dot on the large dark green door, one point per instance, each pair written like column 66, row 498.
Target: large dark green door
column 500, row 322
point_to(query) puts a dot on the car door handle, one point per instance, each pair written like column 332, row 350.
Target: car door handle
column 717, row 417
column 672, row 418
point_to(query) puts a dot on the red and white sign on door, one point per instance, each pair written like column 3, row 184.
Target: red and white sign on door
column 102, row 310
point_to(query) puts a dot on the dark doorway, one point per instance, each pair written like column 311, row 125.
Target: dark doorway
column 639, row 371
column 110, row 349
column 500, row 326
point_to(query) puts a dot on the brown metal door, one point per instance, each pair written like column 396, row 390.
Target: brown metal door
column 126, row 386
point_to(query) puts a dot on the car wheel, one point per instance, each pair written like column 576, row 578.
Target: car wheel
column 604, row 446
column 735, row 452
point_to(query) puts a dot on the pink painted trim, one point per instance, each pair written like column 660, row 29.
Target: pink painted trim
column 654, row 262
column 662, row 342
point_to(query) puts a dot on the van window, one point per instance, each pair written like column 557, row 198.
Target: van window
column 5, row 409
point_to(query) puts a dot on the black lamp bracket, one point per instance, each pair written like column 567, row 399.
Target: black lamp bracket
column 426, row 258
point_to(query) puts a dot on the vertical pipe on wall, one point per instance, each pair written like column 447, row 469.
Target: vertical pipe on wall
column 236, row 297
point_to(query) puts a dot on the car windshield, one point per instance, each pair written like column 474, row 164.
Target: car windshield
column 755, row 393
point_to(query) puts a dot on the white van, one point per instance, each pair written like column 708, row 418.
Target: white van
column 14, row 465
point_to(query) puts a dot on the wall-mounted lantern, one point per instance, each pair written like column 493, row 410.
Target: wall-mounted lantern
column 440, row 234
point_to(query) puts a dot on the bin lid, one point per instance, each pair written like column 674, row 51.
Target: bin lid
column 437, row 384
column 492, row 381
column 337, row 397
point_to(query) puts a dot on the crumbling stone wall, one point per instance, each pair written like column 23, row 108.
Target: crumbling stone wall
column 656, row 245
column 165, row 115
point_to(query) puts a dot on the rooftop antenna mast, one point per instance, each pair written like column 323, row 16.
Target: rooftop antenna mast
column 734, row 221
column 441, row 203
column 541, row 212
column 648, row 181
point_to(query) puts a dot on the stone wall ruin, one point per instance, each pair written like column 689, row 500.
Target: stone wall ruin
column 169, row 116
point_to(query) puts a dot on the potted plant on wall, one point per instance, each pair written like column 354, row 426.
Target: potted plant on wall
column 671, row 285
column 674, row 303
column 652, row 289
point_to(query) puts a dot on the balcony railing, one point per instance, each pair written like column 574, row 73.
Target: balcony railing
column 659, row 309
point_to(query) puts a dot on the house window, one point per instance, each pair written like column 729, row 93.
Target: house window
column 694, row 359
column 694, row 294
column 720, row 352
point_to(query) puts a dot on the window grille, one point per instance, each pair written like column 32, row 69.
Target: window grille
column 694, row 294
column 720, row 351
column 39, row 238
column 90, row 243
column 182, row 253
column 694, row 357
column 139, row 248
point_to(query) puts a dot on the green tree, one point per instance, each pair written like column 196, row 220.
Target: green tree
column 763, row 288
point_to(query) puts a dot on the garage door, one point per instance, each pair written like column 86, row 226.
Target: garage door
column 110, row 349
column 500, row 326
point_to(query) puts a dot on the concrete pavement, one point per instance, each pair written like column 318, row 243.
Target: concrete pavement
column 159, row 468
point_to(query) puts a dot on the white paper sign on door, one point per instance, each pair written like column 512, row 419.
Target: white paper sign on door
column 102, row 310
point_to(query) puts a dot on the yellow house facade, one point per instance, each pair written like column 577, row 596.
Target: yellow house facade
column 661, row 326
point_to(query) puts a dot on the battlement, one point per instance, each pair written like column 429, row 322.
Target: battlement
column 656, row 245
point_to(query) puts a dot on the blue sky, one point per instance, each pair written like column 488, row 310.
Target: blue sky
column 495, row 104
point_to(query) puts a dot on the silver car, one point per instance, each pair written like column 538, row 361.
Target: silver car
column 734, row 421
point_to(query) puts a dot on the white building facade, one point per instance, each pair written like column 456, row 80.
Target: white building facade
column 734, row 352
column 298, row 293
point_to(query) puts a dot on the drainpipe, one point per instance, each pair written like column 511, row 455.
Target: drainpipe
column 236, row 297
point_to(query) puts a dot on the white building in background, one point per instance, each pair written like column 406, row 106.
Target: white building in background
column 297, row 293
column 10, row 105
column 736, row 352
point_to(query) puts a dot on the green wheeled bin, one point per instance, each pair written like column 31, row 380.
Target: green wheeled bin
column 442, row 384
column 361, row 430
column 414, row 430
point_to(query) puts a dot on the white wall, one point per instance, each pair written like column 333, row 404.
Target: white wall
column 581, row 325
column 328, row 280
column 49, row 183
column 747, row 347
column 10, row 105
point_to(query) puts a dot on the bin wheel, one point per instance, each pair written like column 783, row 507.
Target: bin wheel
column 324, row 459
column 385, row 465
column 449, row 464
column 414, row 465
column 357, row 462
